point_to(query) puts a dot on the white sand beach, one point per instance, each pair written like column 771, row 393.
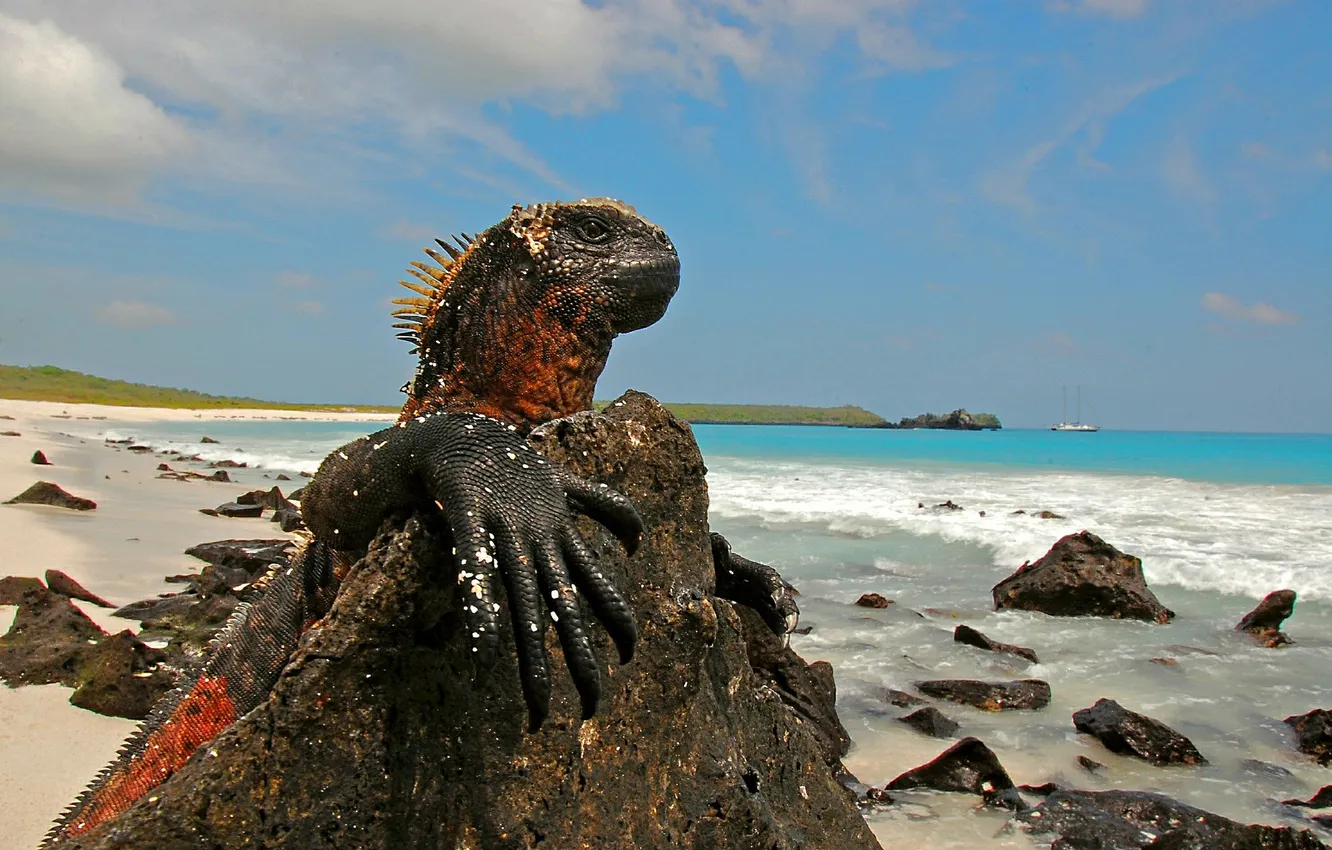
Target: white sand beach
column 121, row 551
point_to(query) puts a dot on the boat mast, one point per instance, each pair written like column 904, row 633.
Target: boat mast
column 1065, row 419
column 1079, row 419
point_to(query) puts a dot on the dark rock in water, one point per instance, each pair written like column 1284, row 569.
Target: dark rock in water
column 66, row 586
column 1081, row 576
column 221, row 476
column 381, row 739
column 282, row 476
column 1047, row 515
column 1090, row 765
column 39, row 458
column 1135, row 820
column 1164, row 662
column 207, row 440
column 1321, row 800
column 990, row 696
column 873, row 600
column 971, row 637
column 1313, row 733
column 296, row 494
column 238, row 511
column 228, row 463
column 1264, row 622
column 48, row 640
column 121, row 677
column 1264, row 768
column 1132, row 734
column 46, row 493
column 931, row 721
column 949, row 506
column 1325, row 821
column 902, row 699
column 253, row 556
column 968, row 766
column 13, row 588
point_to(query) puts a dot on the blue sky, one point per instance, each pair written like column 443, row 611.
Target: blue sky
column 905, row 205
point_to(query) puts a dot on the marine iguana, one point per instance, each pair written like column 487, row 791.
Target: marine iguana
column 512, row 329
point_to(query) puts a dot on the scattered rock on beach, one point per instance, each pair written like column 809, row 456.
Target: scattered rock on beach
column 269, row 499
column 206, row 439
column 221, row 475
column 10, row 434
column 236, row 510
column 1135, row 820
column 1081, row 576
column 1264, row 621
column 251, row 556
column 40, row 459
column 282, row 476
column 1132, row 734
column 969, row 767
column 1313, row 733
column 46, row 493
column 66, row 586
column 971, row 637
column 873, row 600
column 46, row 642
column 990, row 696
column 931, row 721
column 121, row 677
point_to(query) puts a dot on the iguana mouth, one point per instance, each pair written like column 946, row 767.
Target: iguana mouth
column 652, row 285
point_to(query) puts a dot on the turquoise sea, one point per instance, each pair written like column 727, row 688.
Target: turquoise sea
column 1219, row 520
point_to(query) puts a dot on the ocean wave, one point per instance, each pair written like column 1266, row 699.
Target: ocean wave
column 1227, row 538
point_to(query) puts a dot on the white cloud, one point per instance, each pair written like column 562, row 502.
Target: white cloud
column 1184, row 174
column 134, row 315
column 252, row 89
column 1260, row 312
column 1008, row 184
column 295, row 280
column 309, row 308
column 1122, row 9
column 69, row 127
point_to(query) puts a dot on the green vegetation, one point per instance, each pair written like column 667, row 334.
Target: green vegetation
column 50, row 383
column 772, row 414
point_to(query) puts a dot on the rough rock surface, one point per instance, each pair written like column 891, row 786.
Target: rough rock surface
column 1321, row 800
column 376, row 737
column 64, row 585
column 902, row 699
column 968, row 766
column 1132, row 734
column 990, row 696
column 1082, row 576
column 121, row 677
column 1134, row 820
column 931, row 721
column 1264, row 622
column 39, row 458
column 46, row 493
column 873, row 600
column 1313, row 733
column 12, row 588
column 971, row 637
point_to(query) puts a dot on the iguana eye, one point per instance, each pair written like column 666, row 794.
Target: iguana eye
column 593, row 229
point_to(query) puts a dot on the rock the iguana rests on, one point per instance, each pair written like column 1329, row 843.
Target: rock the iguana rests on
column 374, row 737
column 512, row 329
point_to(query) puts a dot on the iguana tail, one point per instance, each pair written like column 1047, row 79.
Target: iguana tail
column 241, row 667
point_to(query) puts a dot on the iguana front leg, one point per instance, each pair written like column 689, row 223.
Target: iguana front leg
column 509, row 510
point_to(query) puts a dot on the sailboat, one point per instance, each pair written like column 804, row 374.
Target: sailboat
column 1076, row 424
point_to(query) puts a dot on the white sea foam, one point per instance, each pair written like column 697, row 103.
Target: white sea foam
column 1227, row 538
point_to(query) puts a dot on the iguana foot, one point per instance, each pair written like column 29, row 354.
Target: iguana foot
column 511, row 514
column 757, row 585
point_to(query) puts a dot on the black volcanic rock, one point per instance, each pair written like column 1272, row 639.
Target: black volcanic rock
column 902, row 699
column 990, row 696
column 66, row 586
column 1082, row 576
column 1136, row 820
column 971, row 637
column 1313, row 733
column 376, row 735
column 1264, row 621
column 1132, row 734
column 39, row 458
column 958, row 420
column 873, row 600
column 12, row 588
column 252, row 556
column 969, row 767
column 47, row 641
column 46, row 493
column 1321, row 800
column 121, row 677
column 931, row 721
column 239, row 511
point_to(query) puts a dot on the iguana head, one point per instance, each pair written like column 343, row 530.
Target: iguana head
column 516, row 322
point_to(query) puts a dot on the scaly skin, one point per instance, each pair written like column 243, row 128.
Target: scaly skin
column 512, row 329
